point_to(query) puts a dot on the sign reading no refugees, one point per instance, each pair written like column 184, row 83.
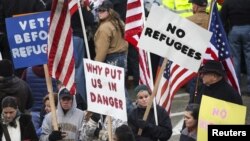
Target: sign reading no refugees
column 178, row 39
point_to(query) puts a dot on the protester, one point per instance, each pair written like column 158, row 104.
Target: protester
column 213, row 77
column 150, row 131
column 35, row 78
column 11, row 85
column 109, row 40
column 191, row 115
column 69, row 119
column 236, row 13
column 46, row 108
column 15, row 126
column 123, row 133
column 95, row 127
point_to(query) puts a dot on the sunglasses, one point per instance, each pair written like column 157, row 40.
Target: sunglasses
column 101, row 10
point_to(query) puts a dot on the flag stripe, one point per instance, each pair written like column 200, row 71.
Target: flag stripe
column 60, row 45
column 143, row 68
column 169, row 86
column 133, row 29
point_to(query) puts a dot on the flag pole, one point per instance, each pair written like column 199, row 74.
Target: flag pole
column 210, row 10
column 51, row 97
column 207, row 27
column 145, row 116
column 83, row 30
column 110, row 128
column 150, row 69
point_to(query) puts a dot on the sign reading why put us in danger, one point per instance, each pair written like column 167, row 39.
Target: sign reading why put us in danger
column 27, row 36
column 175, row 38
column 105, row 89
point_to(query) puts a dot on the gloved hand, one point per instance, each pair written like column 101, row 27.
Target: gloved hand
column 55, row 135
column 95, row 117
column 143, row 124
column 97, row 130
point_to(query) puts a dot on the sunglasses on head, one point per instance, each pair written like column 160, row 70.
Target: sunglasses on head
column 101, row 10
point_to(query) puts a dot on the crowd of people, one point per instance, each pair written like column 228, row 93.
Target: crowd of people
column 25, row 107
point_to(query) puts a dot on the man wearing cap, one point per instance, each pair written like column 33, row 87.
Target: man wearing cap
column 11, row 85
column 150, row 131
column 213, row 77
column 69, row 119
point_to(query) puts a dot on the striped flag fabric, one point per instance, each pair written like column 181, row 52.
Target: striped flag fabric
column 61, row 63
column 173, row 78
column 72, row 6
column 219, row 47
column 133, row 28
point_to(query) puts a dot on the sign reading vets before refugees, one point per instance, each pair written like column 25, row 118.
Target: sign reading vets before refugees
column 175, row 38
column 215, row 111
column 27, row 37
column 105, row 89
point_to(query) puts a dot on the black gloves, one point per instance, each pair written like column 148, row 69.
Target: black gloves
column 95, row 117
column 144, row 124
column 55, row 135
column 97, row 130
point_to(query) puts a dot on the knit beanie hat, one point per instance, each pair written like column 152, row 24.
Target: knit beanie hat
column 6, row 68
column 142, row 88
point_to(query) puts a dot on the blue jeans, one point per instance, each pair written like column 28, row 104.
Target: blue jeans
column 239, row 40
column 79, row 53
column 117, row 59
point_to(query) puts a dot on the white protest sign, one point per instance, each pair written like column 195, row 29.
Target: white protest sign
column 169, row 35
column 105, row 89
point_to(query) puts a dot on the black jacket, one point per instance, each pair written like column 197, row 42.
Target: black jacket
column 221, row 90
column 162, row 132
column 27, row 128
column 186, row 138
column 16, row 87
column 236, row 12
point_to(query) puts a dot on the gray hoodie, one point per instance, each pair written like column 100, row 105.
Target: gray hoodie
column 69, row 122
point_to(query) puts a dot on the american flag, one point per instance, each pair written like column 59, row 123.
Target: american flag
column 219, row 47
column 174, row 77
column 61, row 63
column 133, row 29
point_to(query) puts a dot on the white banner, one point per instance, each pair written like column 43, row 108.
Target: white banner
column 176, row 38
column 105, row 89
